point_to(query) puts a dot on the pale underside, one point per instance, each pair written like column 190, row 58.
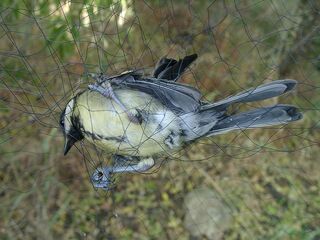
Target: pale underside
column 114, row 133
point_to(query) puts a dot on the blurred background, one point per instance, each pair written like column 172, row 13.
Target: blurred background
column 255, row 184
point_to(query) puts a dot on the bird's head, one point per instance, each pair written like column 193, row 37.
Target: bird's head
column 70, row 126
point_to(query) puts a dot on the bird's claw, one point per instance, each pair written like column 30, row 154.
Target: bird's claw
column 101, row 178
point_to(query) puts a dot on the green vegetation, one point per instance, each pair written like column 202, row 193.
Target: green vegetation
column 268, row 178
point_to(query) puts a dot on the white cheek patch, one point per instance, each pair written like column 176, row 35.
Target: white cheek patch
column 69, row 107
column 67, row 116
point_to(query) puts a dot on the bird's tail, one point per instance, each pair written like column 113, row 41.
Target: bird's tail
column 256, row 118
column 212, row 118
column 262, row 92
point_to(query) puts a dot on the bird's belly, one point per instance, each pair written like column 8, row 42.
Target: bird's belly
column 107, row 126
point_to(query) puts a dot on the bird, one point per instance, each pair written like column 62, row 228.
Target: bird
column 137, row 118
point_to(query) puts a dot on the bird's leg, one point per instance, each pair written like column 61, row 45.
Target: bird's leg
column 119, row 160
column 101, row 178
column 142, row 166
column 108, row 92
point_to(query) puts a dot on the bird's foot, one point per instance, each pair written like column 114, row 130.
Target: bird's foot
column 102, row 178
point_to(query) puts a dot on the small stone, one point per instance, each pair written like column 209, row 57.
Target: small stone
column 206, row 214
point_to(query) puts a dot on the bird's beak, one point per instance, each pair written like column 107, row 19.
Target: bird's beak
column 69, row 142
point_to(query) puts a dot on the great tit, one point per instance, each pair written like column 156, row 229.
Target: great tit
column 137, row 118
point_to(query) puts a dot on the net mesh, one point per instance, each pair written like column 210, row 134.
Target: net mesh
column 267, row 180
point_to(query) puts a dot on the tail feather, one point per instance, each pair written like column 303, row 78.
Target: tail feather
column 171, row 69
column 262, row 92
column 212, row 119
column 257, row 118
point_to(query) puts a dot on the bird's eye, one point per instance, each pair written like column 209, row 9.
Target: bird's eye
column 62, row 122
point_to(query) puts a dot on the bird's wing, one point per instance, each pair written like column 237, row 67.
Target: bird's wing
column 136, row 73
column 166, row 69
column 162, row 65
column 177, row 97
column 171, row 69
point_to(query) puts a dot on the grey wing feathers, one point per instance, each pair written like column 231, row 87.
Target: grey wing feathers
column 177, row 97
